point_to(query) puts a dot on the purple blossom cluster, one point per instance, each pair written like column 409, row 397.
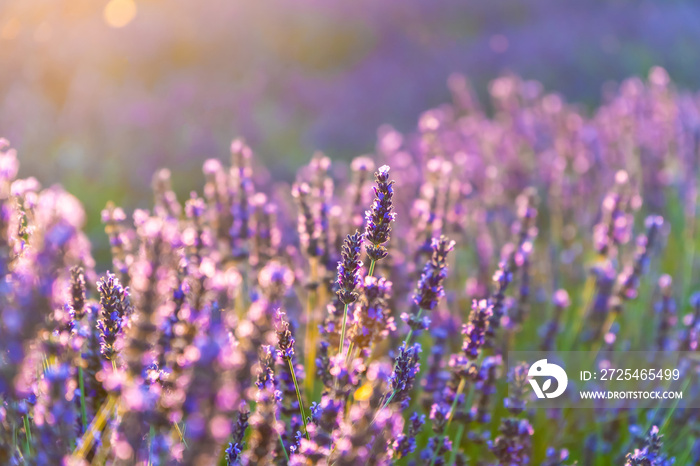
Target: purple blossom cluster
column 218, row 336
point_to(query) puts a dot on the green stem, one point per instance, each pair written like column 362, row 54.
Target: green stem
column 179, row 432
column 455, row 445
column 286, row 456
column 348, row 357
column 114, row 365
column 81, row 384
column 301, row 403
column 342, row 332
column 449, row 419
column 28, row 436
column 391, row 397
column 371, row 268
column 151, row 434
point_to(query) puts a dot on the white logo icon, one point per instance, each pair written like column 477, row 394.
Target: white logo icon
column 543, row 369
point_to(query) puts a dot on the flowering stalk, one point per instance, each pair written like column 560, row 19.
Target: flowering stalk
column 285, row 344
column 379, row 217
column 430, row 289
column 349, row 277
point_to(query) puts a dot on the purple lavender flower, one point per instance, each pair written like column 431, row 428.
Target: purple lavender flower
column 430, row 286
column 475, row 330
column 372, row 321
column 650, row 454
column 690, row 336
column 309, row 228
column 242, row 187
column 503, row 278
column 285, row 340
column 265, row 428
column 78, row 292
column 514, row 444
column 439, row 444
column 114, row 301
column 325, row 419
column 628, row 280
column 405, row 369
column 55, row 417
column 486, row 388
column 561, row 302
column 236, row 446
column 615, row 225
column 349, row 268
column 405, row 444
column 666, row 309
column 380, row 216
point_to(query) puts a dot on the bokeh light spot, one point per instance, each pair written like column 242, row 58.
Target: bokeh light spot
column 119, row 13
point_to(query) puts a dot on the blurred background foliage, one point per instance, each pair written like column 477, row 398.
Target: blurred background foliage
column 97, row 94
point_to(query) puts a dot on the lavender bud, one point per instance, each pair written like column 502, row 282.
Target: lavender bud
column 475, row 330
column 430, row 288
column 77, row 281
column 380, row 215
column 405, row 444
column 285, row 340
column 349, row 268
column 114, row 303
column 405, row 369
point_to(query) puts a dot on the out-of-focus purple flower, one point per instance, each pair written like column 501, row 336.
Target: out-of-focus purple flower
column 615, row 225
column 77, row 292
column 486, row 388
column 166, row 204
column 556, row 457
column 242, row 192
column 561, row 302
column 650, row 453
column 55, row 416
column 265, row 427
column 628, row 280
column 666, row 309
column 372, row 320
column 309, row 227
column 379, row 217
column 514, row 444
column 518, row 380
column 266, row 234
column 690, row 336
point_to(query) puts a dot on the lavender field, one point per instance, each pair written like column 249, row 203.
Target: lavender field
column 362, row 314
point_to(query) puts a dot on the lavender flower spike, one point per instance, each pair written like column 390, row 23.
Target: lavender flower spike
column 379, row 217
column 475, row 330
column 430, row 288
column 286, row 352
column 349, row 277
column 114, row 303
column 349, row 268
column 405, row 370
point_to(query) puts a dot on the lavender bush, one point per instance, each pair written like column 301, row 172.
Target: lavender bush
column 218, row 336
